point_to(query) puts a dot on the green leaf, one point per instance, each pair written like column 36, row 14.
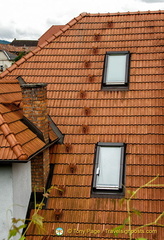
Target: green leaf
column 22, row 226
column 126, row 220
column 141, row 239
column 116, row 230
column 39, row 205
column 37, row 219
column 131, row 193
column 22, row 238
column 12, row 233
column 122, row 201
column 136, row 211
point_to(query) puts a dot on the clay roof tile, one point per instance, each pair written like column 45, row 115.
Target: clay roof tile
column 17, row 149
column 12, row 67
column 3, row 74
column 74, row 21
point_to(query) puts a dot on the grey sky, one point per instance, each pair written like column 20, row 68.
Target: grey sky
column 29, row 19
column 152, row 1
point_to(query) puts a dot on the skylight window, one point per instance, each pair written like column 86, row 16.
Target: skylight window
column 109, row 169
column 116, row 70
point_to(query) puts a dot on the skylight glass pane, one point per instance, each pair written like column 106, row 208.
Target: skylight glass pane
column 116, row 69
column 108, row 174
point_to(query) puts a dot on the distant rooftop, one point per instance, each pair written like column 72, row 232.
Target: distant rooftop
column 9, row 55
column 23, row 43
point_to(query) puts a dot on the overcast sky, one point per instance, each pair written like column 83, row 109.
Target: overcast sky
column 29, row 19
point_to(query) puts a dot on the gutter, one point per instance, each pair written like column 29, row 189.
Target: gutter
column 33, row 155
column 43, row 148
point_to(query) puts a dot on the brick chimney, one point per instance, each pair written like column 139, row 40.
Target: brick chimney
column 35, row 110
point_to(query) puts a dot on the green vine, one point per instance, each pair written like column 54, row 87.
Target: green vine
column 37, row 219
column 131, row 211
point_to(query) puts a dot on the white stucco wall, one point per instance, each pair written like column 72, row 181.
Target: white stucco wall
column 6, row 200
column 15, row 191
column 3, row 56
column 4, row 61
column 21, row 188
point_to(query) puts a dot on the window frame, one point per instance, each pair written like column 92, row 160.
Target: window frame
column 109, row 192
column 1, row 68
column 117, row 86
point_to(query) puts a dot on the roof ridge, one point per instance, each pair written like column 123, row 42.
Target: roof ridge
column 10, row 137
column 65, row 28
column 40, row 47
column 125, row 13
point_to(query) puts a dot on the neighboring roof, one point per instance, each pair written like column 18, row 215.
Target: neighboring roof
column 14, row 49
column 10, row 56
column 17, row 141
column 10, row 90
column 24, row 43
column 8, row 47
column 49, row 33
column 87, row 115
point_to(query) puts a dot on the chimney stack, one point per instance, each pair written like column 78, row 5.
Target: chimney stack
column 35, row 110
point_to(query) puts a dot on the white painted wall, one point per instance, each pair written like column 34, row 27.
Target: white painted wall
column 3, row 56
column 15, row 191
column 21, row 188
column 4, row 61
column 6, row 200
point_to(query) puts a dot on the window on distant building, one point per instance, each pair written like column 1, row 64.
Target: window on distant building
column 109, row 170
column 116, row 71
column 1, row 68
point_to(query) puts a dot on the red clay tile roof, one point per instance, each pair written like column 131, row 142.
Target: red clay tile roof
column 10, row 138
column 17, row 141
column 134, row 117
column 10, row 90
column 49, row 33
column 14, row 49
column 10, row 48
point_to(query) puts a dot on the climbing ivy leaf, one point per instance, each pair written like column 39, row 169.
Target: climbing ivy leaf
column 12, row 233
column 141, row 238
column 122, row 201
column 22, row 226
column 136, row 211
column 39, row 205
column 22, row 238
column 131, row 193
column 116, row 230
column 38, row 221
column 126, row 220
